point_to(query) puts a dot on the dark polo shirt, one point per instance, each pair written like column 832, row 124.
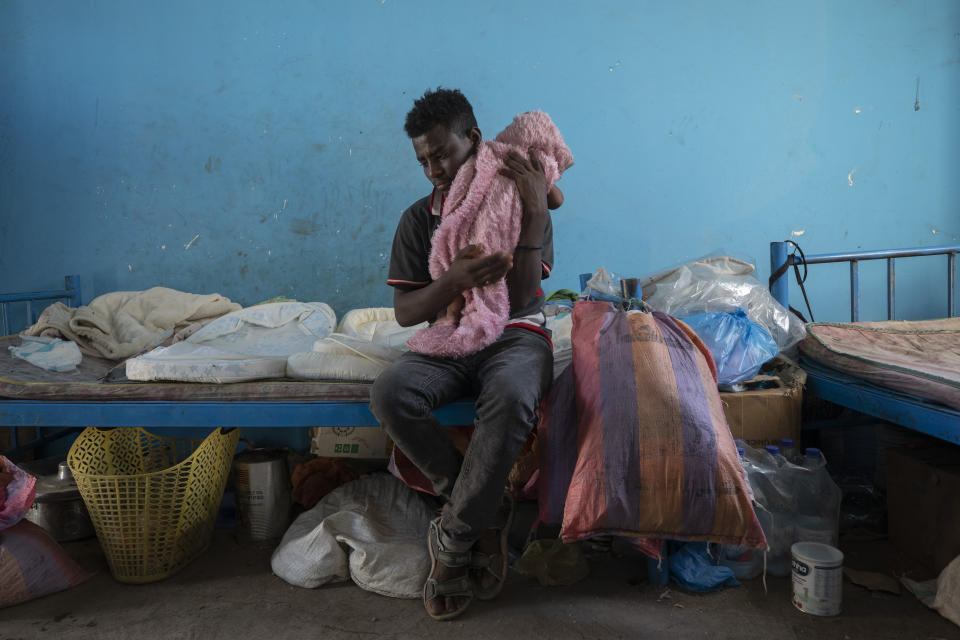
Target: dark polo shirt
column 409, row 258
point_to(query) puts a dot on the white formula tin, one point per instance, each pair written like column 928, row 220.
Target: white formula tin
column 817, row 578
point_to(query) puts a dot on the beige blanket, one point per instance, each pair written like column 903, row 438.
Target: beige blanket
column 123, row 323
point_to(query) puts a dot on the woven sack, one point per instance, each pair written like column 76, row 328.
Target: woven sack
column 32, row 564
column 634, row 441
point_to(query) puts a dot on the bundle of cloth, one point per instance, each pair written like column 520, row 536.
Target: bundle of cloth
column 121, row 324
column 484, row 207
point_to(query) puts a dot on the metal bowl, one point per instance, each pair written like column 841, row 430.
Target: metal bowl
column 58, row 507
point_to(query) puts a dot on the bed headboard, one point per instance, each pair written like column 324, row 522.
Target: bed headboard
column 781, row 260
column 70, row 294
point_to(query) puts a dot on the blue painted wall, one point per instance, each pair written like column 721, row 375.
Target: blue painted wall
column 256, row 149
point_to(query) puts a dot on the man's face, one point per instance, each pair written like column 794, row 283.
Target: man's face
column 441, row 153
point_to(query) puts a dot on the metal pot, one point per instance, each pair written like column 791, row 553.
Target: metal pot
column 58, row 507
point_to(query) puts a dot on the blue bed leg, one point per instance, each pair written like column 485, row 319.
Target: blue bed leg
column 779, row 288
column 72, row 284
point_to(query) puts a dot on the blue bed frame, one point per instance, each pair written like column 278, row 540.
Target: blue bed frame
column 71, row 416
column 900, row 408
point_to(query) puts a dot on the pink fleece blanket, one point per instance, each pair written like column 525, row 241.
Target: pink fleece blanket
column 484, row 207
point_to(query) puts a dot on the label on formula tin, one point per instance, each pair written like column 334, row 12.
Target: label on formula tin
column 817, row 588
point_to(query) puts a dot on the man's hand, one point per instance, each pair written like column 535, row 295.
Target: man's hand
column 529, row 177
column 471, row 268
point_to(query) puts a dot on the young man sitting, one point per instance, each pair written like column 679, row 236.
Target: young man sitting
column 468, row 542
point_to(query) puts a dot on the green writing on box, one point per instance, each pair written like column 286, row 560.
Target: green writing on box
column 346, row 448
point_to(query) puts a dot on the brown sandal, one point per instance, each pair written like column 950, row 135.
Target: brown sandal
column 461, row 587
column 496, row 564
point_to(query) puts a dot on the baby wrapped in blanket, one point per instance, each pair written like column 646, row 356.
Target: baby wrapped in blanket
column 484, row 208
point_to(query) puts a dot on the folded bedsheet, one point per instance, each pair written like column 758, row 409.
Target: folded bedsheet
column 917, row 357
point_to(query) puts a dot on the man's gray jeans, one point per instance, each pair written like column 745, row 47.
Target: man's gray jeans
column 508, row 379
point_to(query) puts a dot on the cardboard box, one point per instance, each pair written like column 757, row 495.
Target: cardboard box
column 764, row 416
column 350, row 442
column 923, row 504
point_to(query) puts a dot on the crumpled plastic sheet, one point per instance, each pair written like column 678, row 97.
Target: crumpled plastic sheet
column 693, row 569
column 553, row 563
column 51, row 354
column 739, row 345
column 713, row 283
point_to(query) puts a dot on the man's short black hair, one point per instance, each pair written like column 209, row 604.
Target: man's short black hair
column 448, row 107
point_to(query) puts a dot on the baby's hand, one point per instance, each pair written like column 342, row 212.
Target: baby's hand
column 451, row 314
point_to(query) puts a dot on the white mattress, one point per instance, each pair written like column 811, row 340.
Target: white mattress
column 185, row 362
column 250, row 344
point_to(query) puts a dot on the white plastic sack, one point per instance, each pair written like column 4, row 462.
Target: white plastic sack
column 274, row 329
column 250, row 344
column 941, row 593
column 51, row 354
column 342, row 357
column 372, row 530
column 378, row 325
column 721, row 284
column 561, row 327
column 947, row 600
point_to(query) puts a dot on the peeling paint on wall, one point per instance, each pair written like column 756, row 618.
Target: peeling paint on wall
column 190, row 244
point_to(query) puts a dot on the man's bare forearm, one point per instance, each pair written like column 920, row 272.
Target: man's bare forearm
column 420, row 305
column 523, row 280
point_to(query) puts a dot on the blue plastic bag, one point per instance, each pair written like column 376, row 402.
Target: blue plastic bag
column 692, row 569
column 739, row 346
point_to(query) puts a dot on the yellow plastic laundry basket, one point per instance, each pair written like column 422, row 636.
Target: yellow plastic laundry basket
column 153, row 500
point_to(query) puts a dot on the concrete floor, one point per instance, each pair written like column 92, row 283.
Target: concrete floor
column 230, row 592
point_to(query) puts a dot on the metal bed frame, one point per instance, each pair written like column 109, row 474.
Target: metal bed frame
column 893, row 406
column 71, row 416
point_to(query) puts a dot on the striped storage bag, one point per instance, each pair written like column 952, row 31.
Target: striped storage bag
column 633, row 440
